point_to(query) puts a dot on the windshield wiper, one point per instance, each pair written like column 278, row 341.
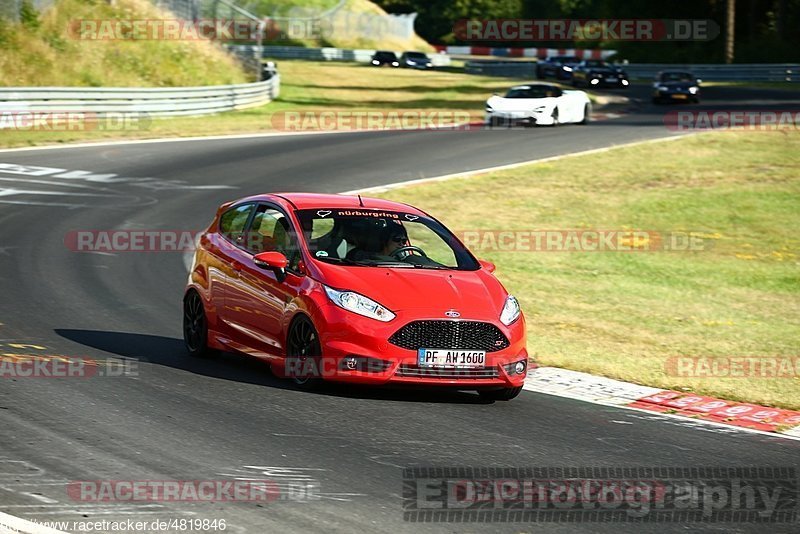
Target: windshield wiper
column 365, row 263
column 430, row 266
column 378, row 263
column 343, row 261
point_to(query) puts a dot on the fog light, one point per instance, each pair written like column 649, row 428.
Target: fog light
column 351, row 363
column 516, row 368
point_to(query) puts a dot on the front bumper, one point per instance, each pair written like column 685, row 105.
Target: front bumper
column 527, row 118
column 347, row 337
column 678, row 96
column 608, row 81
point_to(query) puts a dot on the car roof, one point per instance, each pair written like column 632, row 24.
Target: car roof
column 302, row 201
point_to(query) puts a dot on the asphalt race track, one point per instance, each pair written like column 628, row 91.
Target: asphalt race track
column 183, row 419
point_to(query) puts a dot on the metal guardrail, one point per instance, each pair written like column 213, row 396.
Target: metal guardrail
column 325, row 54
column 507, row 69
column 169, row 102
column 765, row 72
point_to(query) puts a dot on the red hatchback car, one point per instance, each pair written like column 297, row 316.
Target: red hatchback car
column 334, row 287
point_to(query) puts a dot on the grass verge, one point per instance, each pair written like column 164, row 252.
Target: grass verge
column 625, row 314
column 308, row 86
column 45, row 52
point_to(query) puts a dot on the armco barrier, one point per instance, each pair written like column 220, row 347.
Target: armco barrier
column 640, row 71
column 325, row 54
column 581, row 53
column 764, row 72
column 169, row 102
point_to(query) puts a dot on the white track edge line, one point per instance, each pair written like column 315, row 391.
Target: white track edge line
column 467, row 174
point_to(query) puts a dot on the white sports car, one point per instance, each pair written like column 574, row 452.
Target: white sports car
column 538, row 104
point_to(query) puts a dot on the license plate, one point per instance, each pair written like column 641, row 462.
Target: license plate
column 681, row 97
column 451, row 358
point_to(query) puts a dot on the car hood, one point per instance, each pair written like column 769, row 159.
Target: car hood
column 500, row 103
column 474, row 294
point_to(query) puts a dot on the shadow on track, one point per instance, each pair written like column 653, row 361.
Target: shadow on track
column 170, row 352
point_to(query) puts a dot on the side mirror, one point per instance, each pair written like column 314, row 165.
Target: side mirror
column 489, row 266
column 274, row 261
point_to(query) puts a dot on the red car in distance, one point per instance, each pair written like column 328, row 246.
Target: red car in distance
column 334, row 287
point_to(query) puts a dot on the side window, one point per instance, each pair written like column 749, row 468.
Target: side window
column 233, row 221
column 271, row 232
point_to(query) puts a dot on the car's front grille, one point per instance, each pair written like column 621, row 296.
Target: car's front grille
column 464, row 335
column 462, row 373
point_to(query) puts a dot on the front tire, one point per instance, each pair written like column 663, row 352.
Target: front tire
column 304, row 354
column 505, row 394
column 587, row 114
column 195, row 327
column 554, row 116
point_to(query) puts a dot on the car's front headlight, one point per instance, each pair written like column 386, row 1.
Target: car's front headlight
column 358, row 303
column 567, row 69
column 694, row 90
column 489, row 109
column 510, row 311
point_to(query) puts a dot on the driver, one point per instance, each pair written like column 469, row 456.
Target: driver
column 394, row 236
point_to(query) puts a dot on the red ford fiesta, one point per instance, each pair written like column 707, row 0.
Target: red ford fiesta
column 334, row 287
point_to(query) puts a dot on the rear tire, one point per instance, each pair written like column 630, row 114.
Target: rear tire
column 195, row 327
column 304, row 354
column 505, row 394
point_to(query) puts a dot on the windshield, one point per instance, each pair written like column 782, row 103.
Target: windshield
column 533, row 91
column 598, row 64
column 677, row 77
column 416, row 55
column 374, row 238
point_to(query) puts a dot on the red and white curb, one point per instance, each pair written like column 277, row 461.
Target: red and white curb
column 681, row 404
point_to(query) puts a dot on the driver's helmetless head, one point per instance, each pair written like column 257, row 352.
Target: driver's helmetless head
column 395, row 236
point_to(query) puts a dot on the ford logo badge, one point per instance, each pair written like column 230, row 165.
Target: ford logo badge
column 452, row 313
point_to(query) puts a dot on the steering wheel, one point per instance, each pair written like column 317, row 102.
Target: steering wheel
column 408, row 248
